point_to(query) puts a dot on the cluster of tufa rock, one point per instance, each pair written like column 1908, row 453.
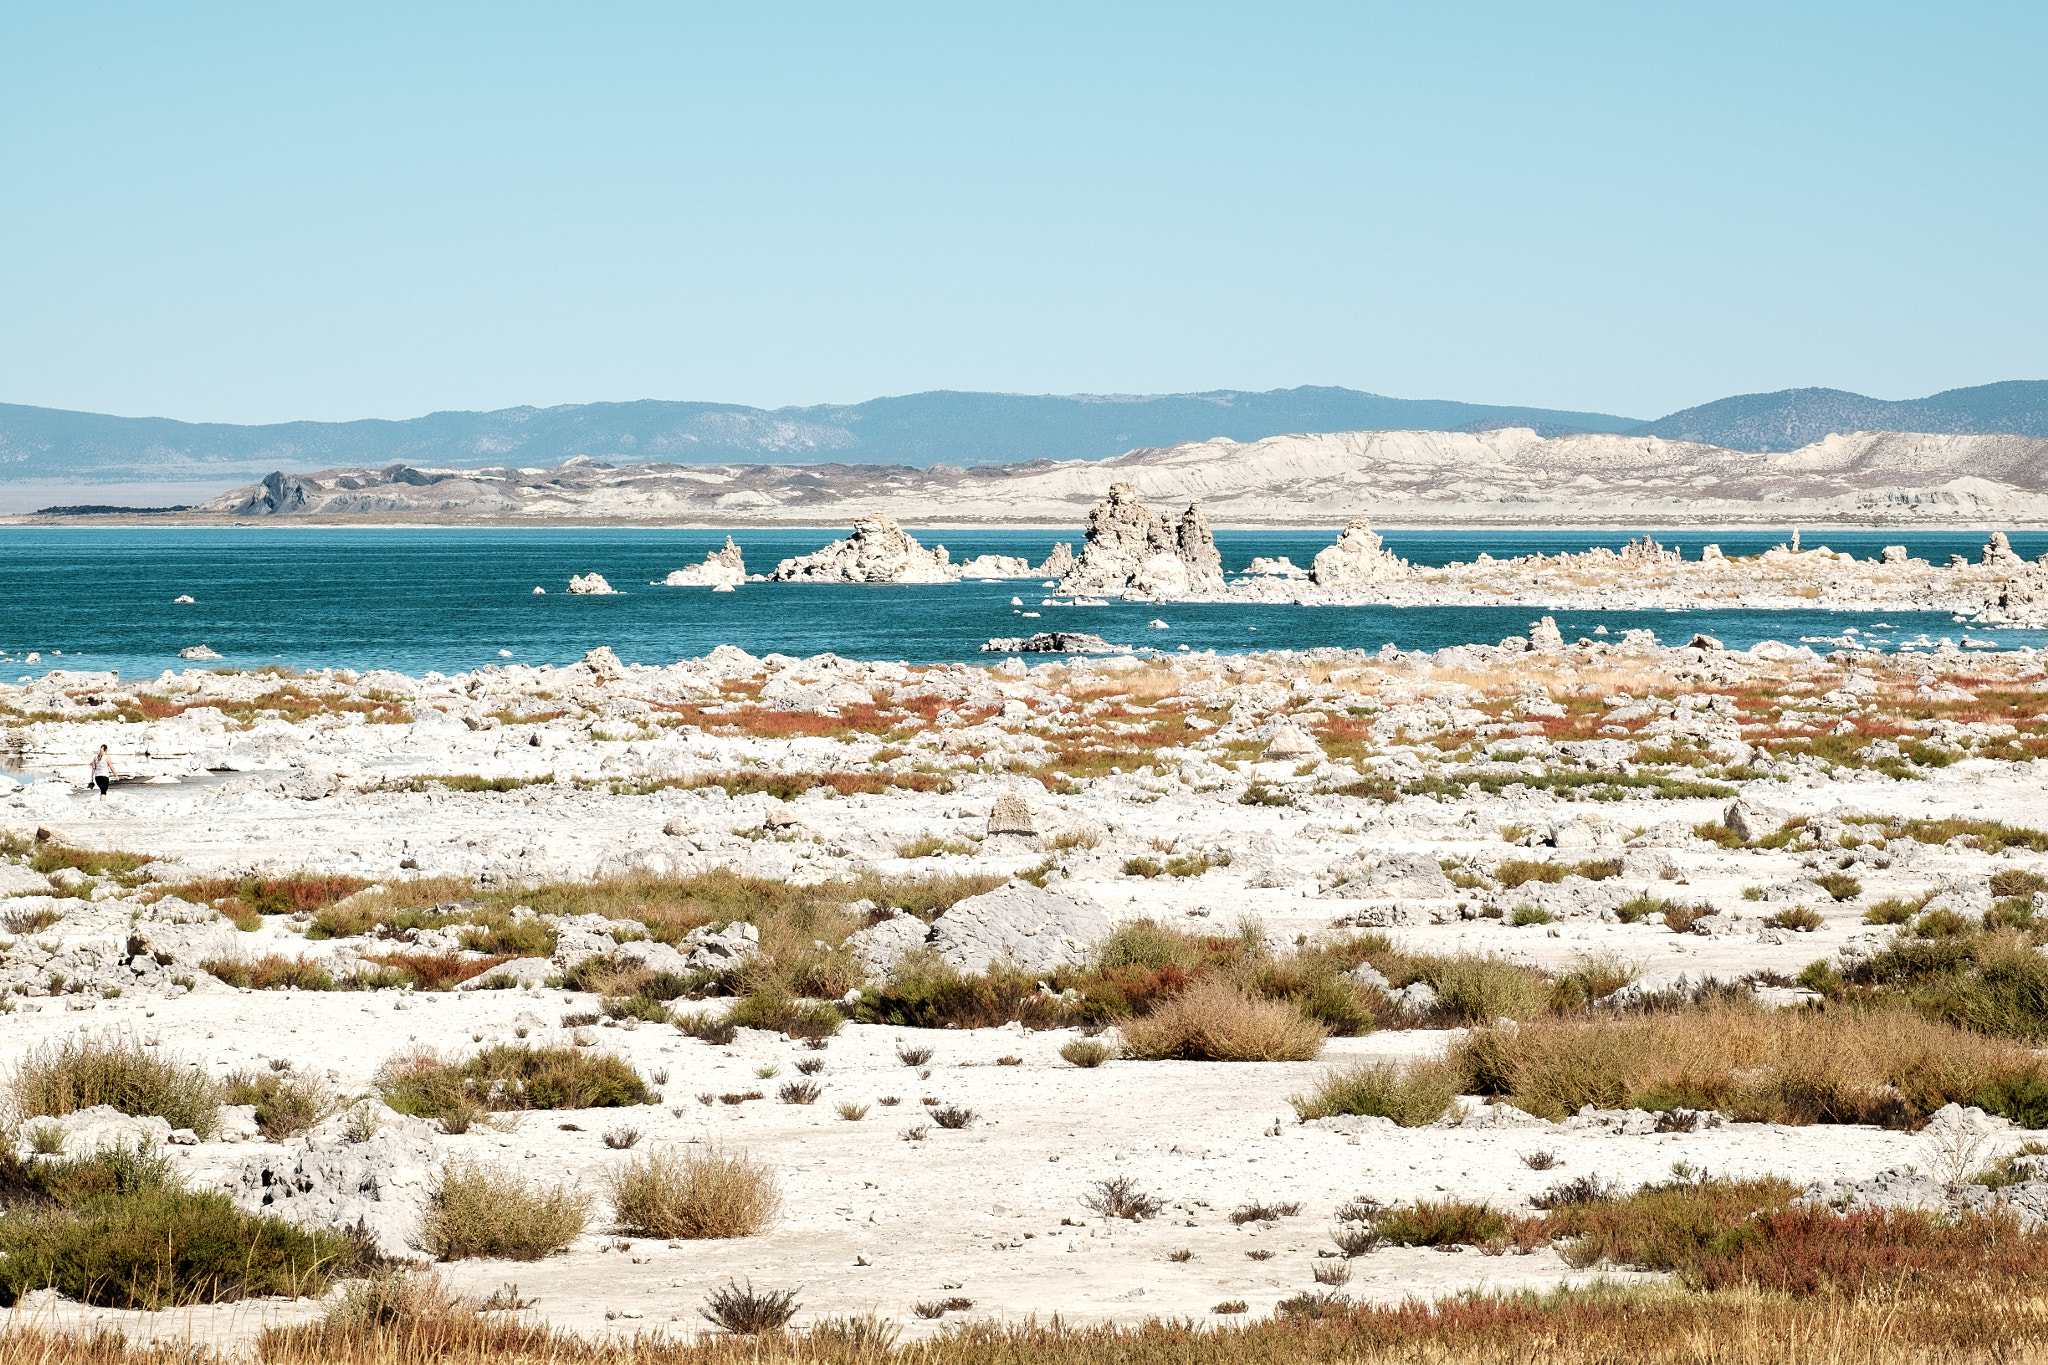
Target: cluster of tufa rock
column 721, row 568
column 878, row 551
column 1130, row 548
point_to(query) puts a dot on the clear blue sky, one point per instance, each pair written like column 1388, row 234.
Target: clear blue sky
column 275, row 211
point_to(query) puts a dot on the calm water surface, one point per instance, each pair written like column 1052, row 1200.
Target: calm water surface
column 443, row 598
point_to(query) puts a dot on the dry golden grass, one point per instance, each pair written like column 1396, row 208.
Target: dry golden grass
column 699, row 1193
column 1844, row 1066
column 478, row 1211
column 1962, row 1321
column 1214, row 1021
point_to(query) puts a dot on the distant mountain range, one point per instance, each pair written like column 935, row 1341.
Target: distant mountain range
column 48, row 445
column 1793, row 418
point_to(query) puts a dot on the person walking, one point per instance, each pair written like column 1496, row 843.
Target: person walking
column 102, row 772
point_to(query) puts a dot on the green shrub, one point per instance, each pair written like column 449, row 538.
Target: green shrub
column 1662, row 1227
column 159, row 1248
column 1516, row 872
column 1527, row 915
column 1891, row 910
column 509, row 1076
column 2014, row 912
column 271, row 972
column 2022, row 1098
column 779, row 1013
column 1820, row 975
column 1412, row 1096
column 63, row 1076
column 1941, row 924
column 1840, row 885
column 1147, row 945
column 640, row 1007
column 925, row 991
column 109, row 1171
column 1803, row 918
column 1638, row 908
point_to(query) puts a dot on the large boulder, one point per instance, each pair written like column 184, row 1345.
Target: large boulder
column 1292, row 744
column 1749, row 821
column 1035, row 929
column 1357, row 558
column 381, row 1185
column 878, row 551
column 590, row 585
column 21, row 881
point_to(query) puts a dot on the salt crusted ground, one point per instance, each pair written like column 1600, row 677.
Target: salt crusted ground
column 334, row 774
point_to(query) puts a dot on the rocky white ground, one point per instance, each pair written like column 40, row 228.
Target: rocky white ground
column 332, row 774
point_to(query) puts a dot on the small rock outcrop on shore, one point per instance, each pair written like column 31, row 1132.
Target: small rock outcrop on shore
column 1053, row 642
column 878, row 551
column 1356, row 558
column 996, row 566
column 1131, row 549
column 724, row 566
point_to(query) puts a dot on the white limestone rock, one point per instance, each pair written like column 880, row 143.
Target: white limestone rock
column 16, row 880
column 882, row 945
column 997, row 566
column 590, row 585
column 382, row 1185
column 1292, row 744
column 1038, row 930
column 1011, row 814
column 1750, row 821
column 103, row 1127
column 717, row 950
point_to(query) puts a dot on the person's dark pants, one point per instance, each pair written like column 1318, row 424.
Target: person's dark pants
column 101, row 783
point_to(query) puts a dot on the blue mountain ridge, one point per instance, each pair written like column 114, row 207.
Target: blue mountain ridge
column 942, row 427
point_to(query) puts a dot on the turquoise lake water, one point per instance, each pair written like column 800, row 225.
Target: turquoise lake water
column 451, row 599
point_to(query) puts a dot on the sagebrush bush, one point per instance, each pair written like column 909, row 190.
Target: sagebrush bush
column 1480, row 990
column 702, row 1193
column 1214, row 1021
column 475, row 1210
column 286, row 1104
column 1087, row 1052
column 65, row 1075
column 1411, row 1096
